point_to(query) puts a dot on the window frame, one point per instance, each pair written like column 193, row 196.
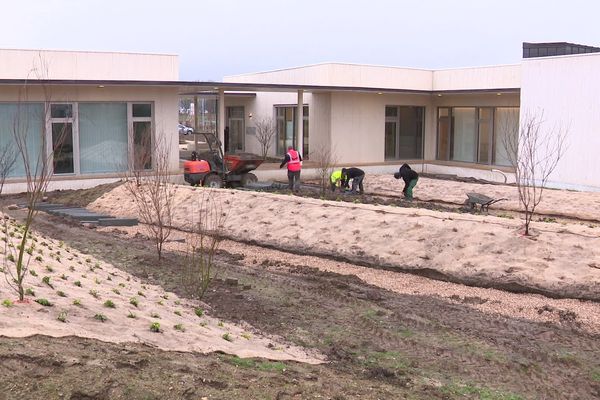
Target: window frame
column 74, row 121
column 130, row 137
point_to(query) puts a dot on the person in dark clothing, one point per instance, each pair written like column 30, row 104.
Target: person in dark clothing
column 357, row 175
column 293, row 159
column 410, row 178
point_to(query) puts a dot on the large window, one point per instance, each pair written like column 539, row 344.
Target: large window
column 286, row 128
column 102, row 137
column 475, row 134
column 26, row 121
column 404, row 132
column 234, row 142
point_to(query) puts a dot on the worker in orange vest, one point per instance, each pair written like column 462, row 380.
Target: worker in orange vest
column 293, row 159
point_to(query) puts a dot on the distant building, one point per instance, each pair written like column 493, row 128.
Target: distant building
column 441, row 121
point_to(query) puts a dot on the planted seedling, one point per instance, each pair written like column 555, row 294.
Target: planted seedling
column 38, row 258
column 77, row 302
column 10, row 258
column 199, row 312
column 227, row 337
column 100, row 317
column 33, row 273
column 94, row 293
column 246, row 335
column 177, row 312
column 49, row 268
column 179, row 327
column 133, row 301
column 154, row 315
column 177, row 302
column 97, row 281
column 116, row 291
column 62, row 316
column 72, row 268
column 61, row 293
column 160, row 302
column 121, row 285
column 46, row 280
column 165, row 296
column 64, row 277
column 30, row 292
column 109, row 304
column 140, row 293
column 108, row 278
column 155, row 327
column 131, row 315
column 43, row 302
column 220, row 324
column 7, row 303
column 77, row 283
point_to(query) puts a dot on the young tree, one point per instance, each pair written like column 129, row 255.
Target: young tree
column 147, row 180
column 38, row 165
column 534, row 149
column 204, row 239
column 266, row 129
column 325, row 159
column 8, row 158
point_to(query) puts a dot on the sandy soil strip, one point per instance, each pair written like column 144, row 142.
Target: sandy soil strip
column 585, row 205
column 483, row 250
column 83, row 288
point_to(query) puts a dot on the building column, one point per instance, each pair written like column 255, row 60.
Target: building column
column 300, row 123
column 221, row 123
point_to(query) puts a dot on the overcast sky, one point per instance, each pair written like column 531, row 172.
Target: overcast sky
column 215, row 38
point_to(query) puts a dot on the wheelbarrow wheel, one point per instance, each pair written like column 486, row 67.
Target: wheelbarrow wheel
column 248, row 178
column 213, row 181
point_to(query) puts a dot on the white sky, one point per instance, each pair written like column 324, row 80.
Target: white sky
column 215, row 38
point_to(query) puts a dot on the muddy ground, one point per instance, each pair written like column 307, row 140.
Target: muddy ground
column 381, row 345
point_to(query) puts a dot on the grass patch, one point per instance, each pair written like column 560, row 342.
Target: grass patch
column 482, row 393
column 250, row 363
column 109, row 304
column 155, row 327
column 7, row 303
column 199, row 312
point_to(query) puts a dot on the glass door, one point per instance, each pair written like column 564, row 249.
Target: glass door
column 61, row 120
column 235, row 122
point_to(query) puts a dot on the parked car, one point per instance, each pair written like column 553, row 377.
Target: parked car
column 185, row 130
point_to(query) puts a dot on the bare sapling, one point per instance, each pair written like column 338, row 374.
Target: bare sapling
column 266, row 129
column 325, row 160
column 534, row 149
column 203, row 242
column 148, row 183
column 38, row 164
column 8, row 158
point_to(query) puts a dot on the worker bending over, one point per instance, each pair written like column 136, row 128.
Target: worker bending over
column 410, row 178
column 293, row 159
column 341, row 178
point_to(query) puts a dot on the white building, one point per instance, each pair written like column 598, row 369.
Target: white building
column 444, row 121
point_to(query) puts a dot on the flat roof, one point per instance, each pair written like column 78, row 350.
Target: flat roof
column 198, row 87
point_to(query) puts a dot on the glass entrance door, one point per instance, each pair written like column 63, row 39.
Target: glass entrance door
column 235, row 122
column 404, row 132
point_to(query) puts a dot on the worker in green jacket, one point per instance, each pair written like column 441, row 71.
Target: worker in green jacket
column 336, row 179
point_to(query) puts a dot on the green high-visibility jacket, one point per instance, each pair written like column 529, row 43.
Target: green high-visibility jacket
column 336, row 177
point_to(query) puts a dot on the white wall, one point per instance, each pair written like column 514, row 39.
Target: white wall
column 494, row 77
column 86, row 65
column 567, row 90
column 348, row 75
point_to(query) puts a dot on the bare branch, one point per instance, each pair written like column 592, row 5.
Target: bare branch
column 266, row 129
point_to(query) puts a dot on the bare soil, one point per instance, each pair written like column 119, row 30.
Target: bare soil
column 380, row 344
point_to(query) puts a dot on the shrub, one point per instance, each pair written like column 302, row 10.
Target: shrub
column 155, row 327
